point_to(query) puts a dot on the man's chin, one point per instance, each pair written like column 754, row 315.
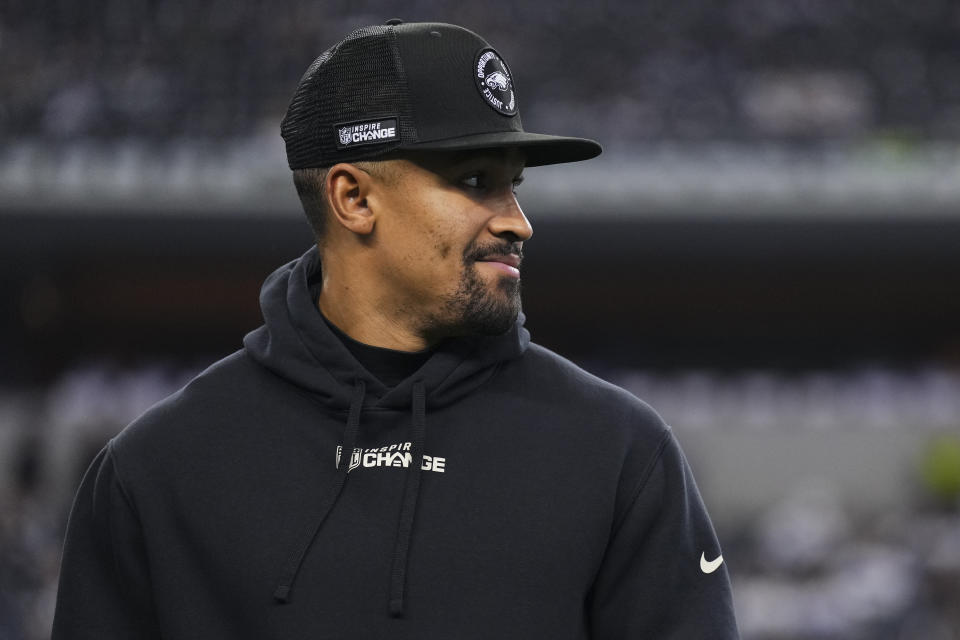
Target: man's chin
column 492, row 317
column 494, row 326
column 485, row 304
column 498, row 314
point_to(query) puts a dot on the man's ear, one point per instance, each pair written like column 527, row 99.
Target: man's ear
column 347, row 187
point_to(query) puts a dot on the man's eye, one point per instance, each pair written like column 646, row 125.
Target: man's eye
column 474, row 181
column 479, row 181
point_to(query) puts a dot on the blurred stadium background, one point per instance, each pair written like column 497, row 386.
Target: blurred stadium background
column 768, row 251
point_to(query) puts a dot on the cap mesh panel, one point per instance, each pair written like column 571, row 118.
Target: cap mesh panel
column 357, row 80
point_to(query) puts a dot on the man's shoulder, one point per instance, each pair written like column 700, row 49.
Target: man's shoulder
column 563, row 381
column 554, row 368
column 595, row 415
column 214, row 397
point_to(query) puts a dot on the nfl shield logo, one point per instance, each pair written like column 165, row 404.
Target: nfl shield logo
column 344, row 135
column 354, row 458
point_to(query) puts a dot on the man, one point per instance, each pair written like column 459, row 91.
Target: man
column 389, row 456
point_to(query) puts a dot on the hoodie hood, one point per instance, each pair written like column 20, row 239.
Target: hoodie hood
column 296, row 344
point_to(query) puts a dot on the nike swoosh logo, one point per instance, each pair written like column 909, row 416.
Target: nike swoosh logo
column 711, row 565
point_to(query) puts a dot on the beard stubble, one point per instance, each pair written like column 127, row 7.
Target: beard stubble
column 476, row 307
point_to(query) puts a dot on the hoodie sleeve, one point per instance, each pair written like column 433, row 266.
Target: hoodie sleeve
column 660, row 577
column 104, row 590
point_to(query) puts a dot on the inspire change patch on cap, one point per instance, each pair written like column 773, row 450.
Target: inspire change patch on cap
column 495, row 83
column 353, row 134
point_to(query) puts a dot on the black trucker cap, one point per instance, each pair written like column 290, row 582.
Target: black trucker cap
column 416, row 86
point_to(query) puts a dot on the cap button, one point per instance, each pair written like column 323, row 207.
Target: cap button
column 392, row 22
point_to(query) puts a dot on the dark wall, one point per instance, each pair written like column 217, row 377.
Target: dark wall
column 683, row 292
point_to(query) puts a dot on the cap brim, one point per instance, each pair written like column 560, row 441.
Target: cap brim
column 540, row 149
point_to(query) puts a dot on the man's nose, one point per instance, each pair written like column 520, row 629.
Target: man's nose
column 509, row 220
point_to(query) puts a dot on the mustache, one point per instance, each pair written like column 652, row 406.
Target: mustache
column 477, row 252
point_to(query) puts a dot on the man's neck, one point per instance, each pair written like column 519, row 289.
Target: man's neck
column 365, row 322
column 387, row 365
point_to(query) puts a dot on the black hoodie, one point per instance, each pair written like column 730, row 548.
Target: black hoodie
column 498, row 492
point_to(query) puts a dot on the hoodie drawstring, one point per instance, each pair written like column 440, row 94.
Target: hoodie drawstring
column 295, row 560
column 411, row 494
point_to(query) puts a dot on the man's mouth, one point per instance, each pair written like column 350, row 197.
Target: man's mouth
column 508, row 263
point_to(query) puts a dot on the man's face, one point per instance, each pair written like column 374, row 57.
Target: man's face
column 450, row 240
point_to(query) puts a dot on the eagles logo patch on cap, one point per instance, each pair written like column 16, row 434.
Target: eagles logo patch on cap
column 494, row 82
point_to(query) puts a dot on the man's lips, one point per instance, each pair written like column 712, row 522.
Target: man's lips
column 509, row 263
column 511, row 259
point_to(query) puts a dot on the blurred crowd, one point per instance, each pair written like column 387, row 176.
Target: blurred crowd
column 624, row 72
